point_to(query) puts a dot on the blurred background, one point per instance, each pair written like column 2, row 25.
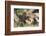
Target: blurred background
column 26, row 17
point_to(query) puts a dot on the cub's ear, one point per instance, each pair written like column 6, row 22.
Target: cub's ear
column 36, row 11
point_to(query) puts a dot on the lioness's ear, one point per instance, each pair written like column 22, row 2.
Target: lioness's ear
column 36, row 11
